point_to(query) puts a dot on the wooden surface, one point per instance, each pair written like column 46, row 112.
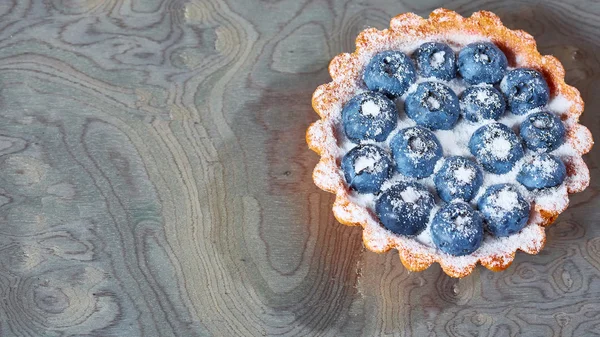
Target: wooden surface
column 154, row 179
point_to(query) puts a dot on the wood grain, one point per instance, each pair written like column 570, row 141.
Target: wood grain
column 154, row 179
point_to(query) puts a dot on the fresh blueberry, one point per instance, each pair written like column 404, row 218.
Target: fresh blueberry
column 457, row 229
column 542, row 171
column 482, row 102
column 482, row 62
column 390, row 72
column 366, row 168
column 504, row 209
column 433, row 105
column 496, row 147
column 369, row 116
column 436, row 60
column 404, row 208
column 525, row 89
column 415, row 151
column 542, row 131
column 458, row 178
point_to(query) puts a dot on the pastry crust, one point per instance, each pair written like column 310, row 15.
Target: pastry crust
column 406, row 29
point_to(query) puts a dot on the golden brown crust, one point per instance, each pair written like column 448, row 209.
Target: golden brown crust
column 520, row 49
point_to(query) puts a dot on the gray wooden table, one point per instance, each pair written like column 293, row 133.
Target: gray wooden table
column 154, row 179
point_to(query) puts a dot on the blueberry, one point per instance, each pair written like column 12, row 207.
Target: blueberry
column 457, row 229
column 436, row 60
column 496, row 147
column 369, row 116
column 458, row 178
column 390, row 72
column 482, row 62
column 542, row 171
column 404, row 208
column 415, row 151
column 433, row 105
column 504, row 209
column 525, row 89
column 481, row 103
column 542, row 132
column 366, row 168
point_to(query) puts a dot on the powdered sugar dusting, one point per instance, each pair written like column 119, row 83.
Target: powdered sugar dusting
column 486, row 97
column 555, row 198
column 481, row 58
column 483, row 96
column 544, row 165
column 512, row 121
column 455, row 142
column 464, row 175
column 506, row 200
column 326, row 176
column 420, row 144
column 497, row 143
column 461, row 225
column 417, row 145
column 410, row 194
column 370, row 162
column 432, row 103
column 560, row 105
column 500, row 148
column 540, row 124
column 437, row 59
column 370, row 108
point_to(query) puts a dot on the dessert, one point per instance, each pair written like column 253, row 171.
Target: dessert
column 449, row 139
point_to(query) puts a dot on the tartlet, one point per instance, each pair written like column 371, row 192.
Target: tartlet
column 406, row 33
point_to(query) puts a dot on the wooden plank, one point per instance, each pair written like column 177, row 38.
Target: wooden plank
column 154, row 179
